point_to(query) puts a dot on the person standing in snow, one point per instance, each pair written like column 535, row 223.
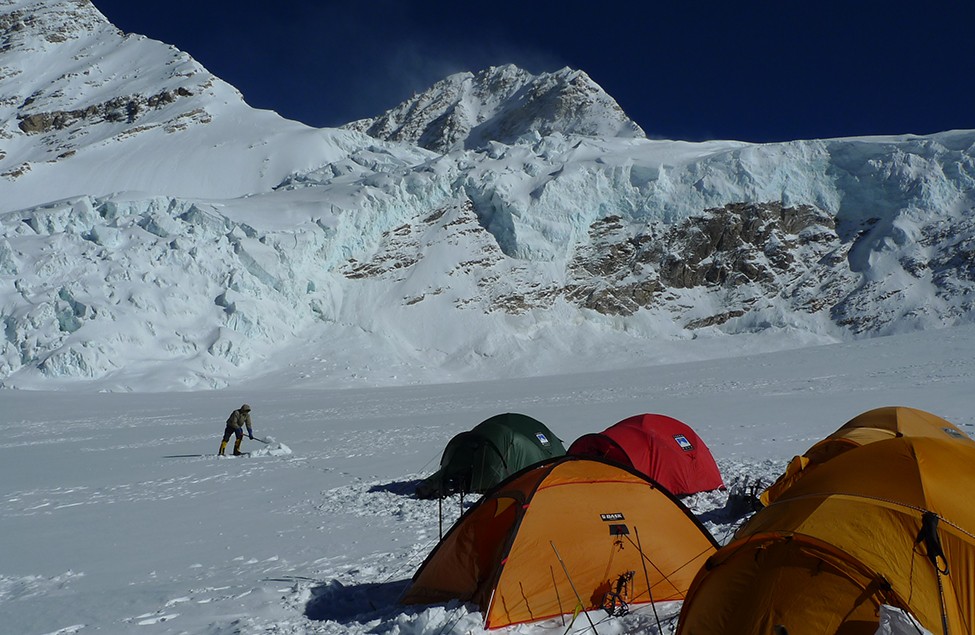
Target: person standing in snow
column 235, row 425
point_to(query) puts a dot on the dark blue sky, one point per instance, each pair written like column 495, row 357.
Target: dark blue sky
column 752, row 70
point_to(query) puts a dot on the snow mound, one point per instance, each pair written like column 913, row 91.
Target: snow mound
column 273, row 448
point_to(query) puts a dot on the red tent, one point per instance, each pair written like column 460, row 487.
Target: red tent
column 661, row 447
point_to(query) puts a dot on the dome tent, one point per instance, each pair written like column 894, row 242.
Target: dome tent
column 663, row 448
column 889, row 523
column 869, row 427
column 479, row 459
column 558, row 537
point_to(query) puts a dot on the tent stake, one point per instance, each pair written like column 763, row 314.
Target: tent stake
column 643, row 561
column 572, row 584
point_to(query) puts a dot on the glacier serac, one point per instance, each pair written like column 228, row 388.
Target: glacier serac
column 157, row 233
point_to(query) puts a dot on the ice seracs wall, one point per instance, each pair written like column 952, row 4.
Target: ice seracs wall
column 492, row 263
column 261, row 246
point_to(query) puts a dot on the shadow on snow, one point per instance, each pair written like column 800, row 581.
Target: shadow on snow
column 333, row 601
column 408, row 488
column 401, row 488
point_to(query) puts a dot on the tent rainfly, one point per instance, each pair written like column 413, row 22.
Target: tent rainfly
column 663, row 448
column 565, row 535
column 885, row 524
column 479, row 459
column 869, row 427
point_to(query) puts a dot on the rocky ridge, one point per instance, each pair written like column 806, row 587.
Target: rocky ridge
column 40, row 98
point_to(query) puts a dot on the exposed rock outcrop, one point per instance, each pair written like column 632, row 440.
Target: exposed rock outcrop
column 118, row 109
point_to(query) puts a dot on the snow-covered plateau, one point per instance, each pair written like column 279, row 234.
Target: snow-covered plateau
column 502, row 242
column 117, row 518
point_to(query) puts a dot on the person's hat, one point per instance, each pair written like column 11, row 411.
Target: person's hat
column 245, row 408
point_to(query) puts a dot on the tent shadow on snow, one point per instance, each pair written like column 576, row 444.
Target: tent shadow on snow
column 742, row 502
column 333, row 601
column 733, row 512
column 401, row 488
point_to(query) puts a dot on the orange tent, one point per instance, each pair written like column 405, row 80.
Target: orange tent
column 887, row 523
column 869, row 427
column 560, row 536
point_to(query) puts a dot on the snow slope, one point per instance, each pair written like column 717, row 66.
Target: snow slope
column 88, row 110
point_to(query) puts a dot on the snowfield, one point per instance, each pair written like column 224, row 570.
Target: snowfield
column 117, row 518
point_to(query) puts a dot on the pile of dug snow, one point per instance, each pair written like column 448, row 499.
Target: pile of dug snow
column 272, row 448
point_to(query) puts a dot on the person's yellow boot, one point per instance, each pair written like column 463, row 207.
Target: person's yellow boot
column 237, row 446
column 223, row 446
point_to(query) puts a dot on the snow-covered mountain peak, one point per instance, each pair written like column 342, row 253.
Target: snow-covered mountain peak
column 69, row 77
column 80, row 102
column 504, row 104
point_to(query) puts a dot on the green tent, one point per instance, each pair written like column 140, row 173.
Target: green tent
column 479, row 459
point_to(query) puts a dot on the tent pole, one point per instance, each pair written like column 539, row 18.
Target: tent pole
column 557, row 596
column 440, row 514
column 941, row 594
column 932, row 542
column 572, row 584
column 643, row 561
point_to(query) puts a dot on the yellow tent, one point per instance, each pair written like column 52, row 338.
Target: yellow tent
column 887, row 523
column 869, row 427
column 562, row 536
